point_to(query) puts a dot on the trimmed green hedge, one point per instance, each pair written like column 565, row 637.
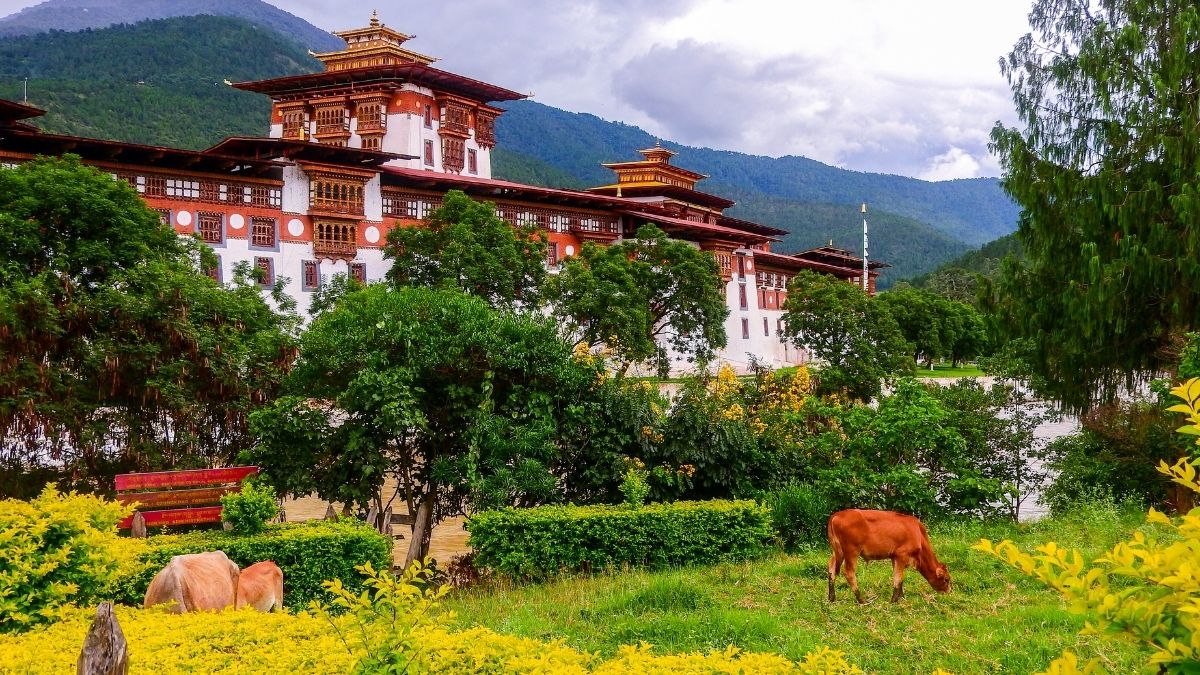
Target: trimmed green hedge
column 537, row 542
column 307, row 553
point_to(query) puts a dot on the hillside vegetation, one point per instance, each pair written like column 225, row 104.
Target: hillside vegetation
column 975, row 210
column 135, row 83
column 76, row 15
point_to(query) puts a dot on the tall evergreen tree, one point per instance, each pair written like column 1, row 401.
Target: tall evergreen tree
column 1107, row 170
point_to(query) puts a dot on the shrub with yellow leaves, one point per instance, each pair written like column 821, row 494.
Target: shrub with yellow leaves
column 1145, row 587
column 55, row 549
column 395, row 626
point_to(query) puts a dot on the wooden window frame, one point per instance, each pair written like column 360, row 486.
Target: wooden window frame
column 428, row 153
column 267, row 265
column 472, row 161
column 358, row 272
column 310, row 275
column 211, row 227
column 264, row 232
column 745, row 328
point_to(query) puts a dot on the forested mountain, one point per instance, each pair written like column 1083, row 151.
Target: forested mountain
column 958, row 279
column 76, row 15
column 974, row 211
column 135, row 83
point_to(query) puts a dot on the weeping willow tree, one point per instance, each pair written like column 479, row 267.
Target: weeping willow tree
column 1106, row 167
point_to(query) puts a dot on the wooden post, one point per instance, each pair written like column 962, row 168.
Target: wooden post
column 105, row 651
column 373, row 516
column 282, row 515
column 330, row 514
column 138, row 529
column 385, row 526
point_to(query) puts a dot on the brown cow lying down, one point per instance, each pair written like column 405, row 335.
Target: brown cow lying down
column 195, row 583
column 876, row 535
column 261, row 587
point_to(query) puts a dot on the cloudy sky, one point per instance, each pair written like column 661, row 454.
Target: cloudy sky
column 876, row 85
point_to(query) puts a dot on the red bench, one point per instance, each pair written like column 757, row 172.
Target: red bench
column 179, row 497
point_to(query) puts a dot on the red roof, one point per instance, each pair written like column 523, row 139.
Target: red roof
column 794, row 263
column 702, row 229
column 11, row 111
column 662, row 189
column 273, row 148
column 492, row 187
column 375, row 75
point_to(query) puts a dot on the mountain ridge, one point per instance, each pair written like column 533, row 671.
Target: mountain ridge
column 77, row 15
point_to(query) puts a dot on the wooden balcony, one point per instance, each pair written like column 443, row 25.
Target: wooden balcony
column 335, row 240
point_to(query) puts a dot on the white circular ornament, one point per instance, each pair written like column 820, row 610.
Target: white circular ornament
column 570, row 250
column 295, row 227
column 237, row 221
column 372, row 234
column 184, row 218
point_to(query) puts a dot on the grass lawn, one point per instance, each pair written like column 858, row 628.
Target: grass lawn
column 944, row 370
column 994, row 621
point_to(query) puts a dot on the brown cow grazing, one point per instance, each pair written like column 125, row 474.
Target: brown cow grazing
column 261, row 587
column 195, row 583
column 875, row 535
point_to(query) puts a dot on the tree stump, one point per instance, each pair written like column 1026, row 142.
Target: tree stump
column 105, row 651
column 137, row 529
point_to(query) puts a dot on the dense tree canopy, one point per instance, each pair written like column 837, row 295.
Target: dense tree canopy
column 935, row 327
column 464, row 245
column 643, row 298
column 851, row 332
column 1107, row 170
column 462, row 404
column 114, row 347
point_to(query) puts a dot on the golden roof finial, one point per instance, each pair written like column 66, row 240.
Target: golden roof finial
column 658, row 142
column 375, row 18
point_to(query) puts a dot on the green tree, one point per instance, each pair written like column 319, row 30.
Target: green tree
column 460, row 403
column 464, row 245
column 1106, row 169
column 921, row 318
column 114, row 348
column 643, row 298
column 968, row 337
column 851, row 332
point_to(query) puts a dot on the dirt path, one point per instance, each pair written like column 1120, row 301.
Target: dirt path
column 447, row 540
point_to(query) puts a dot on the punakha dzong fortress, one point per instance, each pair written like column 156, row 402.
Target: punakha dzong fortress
column 375, row 142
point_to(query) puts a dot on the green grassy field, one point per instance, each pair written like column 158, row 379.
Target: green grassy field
column 993, row 621
column 944, row 370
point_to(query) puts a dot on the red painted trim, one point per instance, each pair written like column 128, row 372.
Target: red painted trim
column 178, row 479
column 196, row 516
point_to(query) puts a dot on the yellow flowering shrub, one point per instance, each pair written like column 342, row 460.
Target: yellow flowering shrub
column 1144, row 587
column 393, row 627
column 56, row 549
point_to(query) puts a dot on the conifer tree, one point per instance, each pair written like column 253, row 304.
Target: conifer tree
column 1106, row 168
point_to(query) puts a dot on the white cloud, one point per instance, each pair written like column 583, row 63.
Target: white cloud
column 954, row 163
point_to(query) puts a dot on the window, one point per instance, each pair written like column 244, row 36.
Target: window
column 164, row 216
column 262, row 232
column 742, row 296
column 453, row 153
column 336, row 239
column 766, row 327
column 183, row 189
column 208, row 224
column 472, row 161
column 309, row 275
column 741, row 266
column 428, row 117
column 293, row 124
column 371, row 117
column 331, row 194
column 266, row 270
column 428, row 153
column 778, row 326
column 745, row 329
column 372, row 142
column 552, row 254
column 156, row 186
column 333, row 120
column 358, row 272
